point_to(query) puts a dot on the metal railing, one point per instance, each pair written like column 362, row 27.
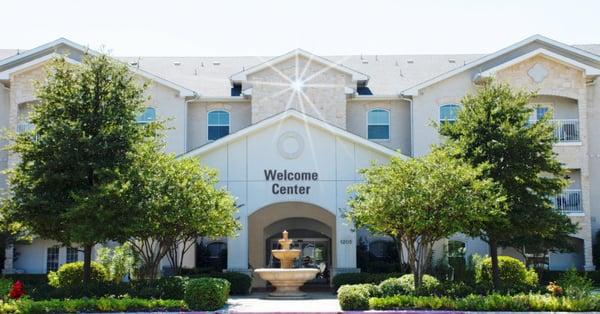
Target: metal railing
column 566, row 130
column 568, row 202
column 24, row 127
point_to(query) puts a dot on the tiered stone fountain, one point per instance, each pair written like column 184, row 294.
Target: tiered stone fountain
column 287, row 280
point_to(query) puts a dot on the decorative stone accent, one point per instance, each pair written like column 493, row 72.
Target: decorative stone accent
column 538, row 73
column 290, row 145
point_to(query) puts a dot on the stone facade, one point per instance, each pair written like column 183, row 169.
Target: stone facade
column 277, row 89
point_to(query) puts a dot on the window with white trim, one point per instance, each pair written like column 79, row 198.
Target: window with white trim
column 378, row 124
column 218, row 124
column 449, row 113
column 72, row 255
column 52, row 258
column 149, row 115
column 539, row 111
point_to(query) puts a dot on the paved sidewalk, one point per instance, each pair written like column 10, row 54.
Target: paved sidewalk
column 318, row 302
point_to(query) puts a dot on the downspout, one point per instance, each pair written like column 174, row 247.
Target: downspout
column 412, row 129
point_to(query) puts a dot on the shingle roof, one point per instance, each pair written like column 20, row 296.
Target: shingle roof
column 389, row 74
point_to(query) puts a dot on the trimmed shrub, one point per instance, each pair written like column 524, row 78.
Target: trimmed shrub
column 430, row 283
column 359, row 278
column 493, row 302
column 206, row 294
column 97, row 305
column 391, row 286
column 575, row 286
column 514, row 277
column 454, row 289
column 5, row 285
column 240, row 283
column 356, row 297
column 71, row 274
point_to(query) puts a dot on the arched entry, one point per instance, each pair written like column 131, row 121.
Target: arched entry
column 311, row 227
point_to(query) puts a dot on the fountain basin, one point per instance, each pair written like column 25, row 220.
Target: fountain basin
column 287, row 281
column 286, row 257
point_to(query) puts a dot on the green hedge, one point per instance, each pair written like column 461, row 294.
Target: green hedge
column 240, row 283
column 356, row 297
column 514, row 276
column 359, row 278
column 494, row 302
column 163, row 288
column 91, row 305
column 71, row 274
column 546, row 276
column 206, row 294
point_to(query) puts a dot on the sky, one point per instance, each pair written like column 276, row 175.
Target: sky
column 274, row 27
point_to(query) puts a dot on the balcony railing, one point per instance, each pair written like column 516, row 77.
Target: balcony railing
column 566, row 130
column 568, row 202
column 24, row 127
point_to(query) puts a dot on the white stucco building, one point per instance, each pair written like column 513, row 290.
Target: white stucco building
column 288, row 134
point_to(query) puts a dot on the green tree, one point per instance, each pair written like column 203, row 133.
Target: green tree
column 179, row 201
column 493, row 128
column 423, row 200
column 64, row 187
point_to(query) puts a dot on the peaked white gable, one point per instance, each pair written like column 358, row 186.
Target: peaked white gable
column 356, row 76
column 292, row 114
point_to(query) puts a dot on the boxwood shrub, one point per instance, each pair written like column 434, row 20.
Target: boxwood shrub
column 92, row 305
column 71, row 274
column 356, row 297
column 206, row 294
column 514, row 276
column 240, row 283
column 493, row 302
column 358, row 278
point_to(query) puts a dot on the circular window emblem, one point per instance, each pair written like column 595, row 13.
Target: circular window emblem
column 290, row 145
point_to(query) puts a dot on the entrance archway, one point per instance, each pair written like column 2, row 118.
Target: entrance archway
column 313, row 225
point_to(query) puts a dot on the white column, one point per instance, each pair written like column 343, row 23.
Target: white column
column 345, row 246
column 8, row 259
column 237, row 247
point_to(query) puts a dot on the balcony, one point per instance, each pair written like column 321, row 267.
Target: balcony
column 566, row 130
column 24, row 127
column 568, row 202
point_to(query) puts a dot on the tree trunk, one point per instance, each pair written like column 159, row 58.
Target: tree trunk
column 87, row 264
column 494, row 256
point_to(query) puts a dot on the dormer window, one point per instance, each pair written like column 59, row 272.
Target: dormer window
column 378, row 124
column 218, row 124
column 236, row 90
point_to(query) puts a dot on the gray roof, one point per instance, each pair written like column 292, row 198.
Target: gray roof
column 389, row 74
column 5, row 53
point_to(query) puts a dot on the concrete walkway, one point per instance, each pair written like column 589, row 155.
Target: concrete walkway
column 318, row 302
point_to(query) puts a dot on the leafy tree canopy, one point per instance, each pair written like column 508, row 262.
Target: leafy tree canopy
column 422, row 200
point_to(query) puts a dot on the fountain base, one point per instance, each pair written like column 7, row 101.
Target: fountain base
column 287, row 281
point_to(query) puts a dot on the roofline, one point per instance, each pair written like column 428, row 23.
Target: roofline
column 242, row 75
column 589, row 70
column 183, row 91
column 414, row 90
column 291, row 113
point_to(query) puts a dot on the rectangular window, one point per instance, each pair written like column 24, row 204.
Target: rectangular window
column 52, row 259
column 379, row 132
column 72, row 254
column 217, row 131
